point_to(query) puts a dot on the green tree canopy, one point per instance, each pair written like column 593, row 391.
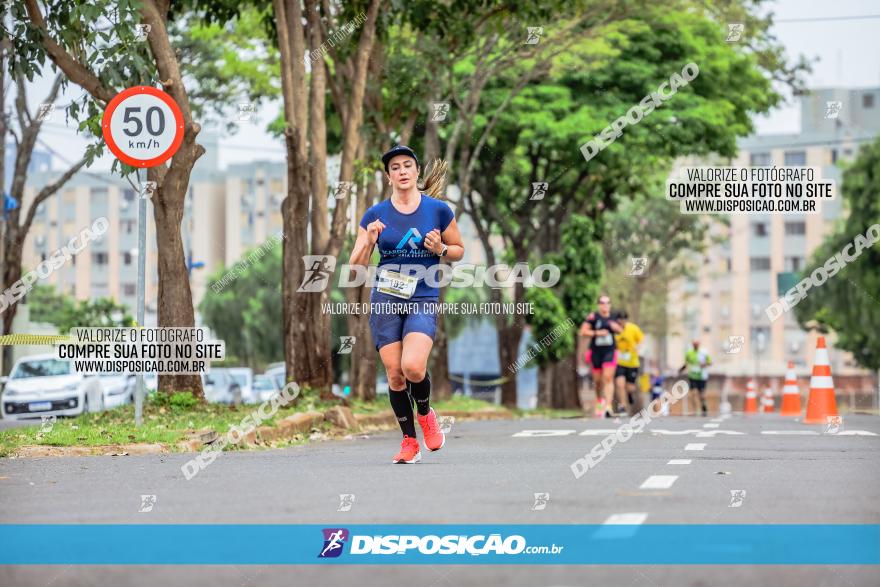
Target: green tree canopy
column 849, row 302
column 47, row 305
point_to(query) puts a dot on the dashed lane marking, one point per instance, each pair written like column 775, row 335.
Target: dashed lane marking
column 627, row 518
column 659, row 482
column 679, row 462
column 695, row 446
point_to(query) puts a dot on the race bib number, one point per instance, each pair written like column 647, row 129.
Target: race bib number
column 397, row 284
column 624, row 356
column 604, row 340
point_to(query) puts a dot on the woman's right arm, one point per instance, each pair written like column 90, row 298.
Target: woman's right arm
column 366, row 240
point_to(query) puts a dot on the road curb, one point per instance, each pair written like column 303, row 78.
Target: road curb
column 35, row 450
column 340, row 417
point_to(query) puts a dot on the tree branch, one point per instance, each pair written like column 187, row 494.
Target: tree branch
column 46, row 192
column 77, row 73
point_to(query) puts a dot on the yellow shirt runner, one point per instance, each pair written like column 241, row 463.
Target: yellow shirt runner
column 627, row 345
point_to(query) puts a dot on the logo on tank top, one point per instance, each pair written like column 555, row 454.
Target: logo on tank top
column 412, row 238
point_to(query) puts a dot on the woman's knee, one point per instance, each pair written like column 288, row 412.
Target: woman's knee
column 396, row 379
column 413, row 370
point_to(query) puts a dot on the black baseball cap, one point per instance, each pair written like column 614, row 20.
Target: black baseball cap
column 399, row 150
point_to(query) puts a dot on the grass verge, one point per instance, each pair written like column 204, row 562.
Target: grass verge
column 168, row 420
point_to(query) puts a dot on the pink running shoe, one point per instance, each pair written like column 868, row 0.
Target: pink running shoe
column 409, row 451
column 433, row 437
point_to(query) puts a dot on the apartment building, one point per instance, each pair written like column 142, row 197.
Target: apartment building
column 759, row 255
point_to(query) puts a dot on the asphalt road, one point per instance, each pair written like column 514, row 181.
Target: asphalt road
column 750, row 470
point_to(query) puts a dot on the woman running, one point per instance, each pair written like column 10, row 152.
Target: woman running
column 414, row 231
column 602, row 327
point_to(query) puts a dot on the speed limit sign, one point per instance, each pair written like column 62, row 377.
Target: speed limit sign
column 143, row 126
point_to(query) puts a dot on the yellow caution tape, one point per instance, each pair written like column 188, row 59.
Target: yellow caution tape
column 44, row 339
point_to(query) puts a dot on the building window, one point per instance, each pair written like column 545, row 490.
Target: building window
column 126, row 258
column 128, row 195
column 794, row 264
column 99, row 258
column 798, row 227
column 759, row 159
column 729, row 265
column 759, row 263
column 795, row 158
column 867, row 100
column 129, row 289
column 759, row 229
column 833, row 155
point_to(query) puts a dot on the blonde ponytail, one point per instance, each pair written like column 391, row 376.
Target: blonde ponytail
column 435, row 179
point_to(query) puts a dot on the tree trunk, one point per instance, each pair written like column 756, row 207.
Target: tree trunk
column 441, row 388
column 363, row 356
column 362, row 375
column 558, row 385
column 175, row 296
column 508, row 346
column 564, row 393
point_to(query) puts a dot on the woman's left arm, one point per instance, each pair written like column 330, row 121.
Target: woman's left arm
column 452, row 239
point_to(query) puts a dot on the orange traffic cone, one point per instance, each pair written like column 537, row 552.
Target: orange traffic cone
column 821, row 402
column 751, row 406
column 768, row 404
column 791, row 395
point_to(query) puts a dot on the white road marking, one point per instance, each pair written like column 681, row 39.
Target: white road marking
column 629, row 518
column 710, row 433
column 659, row 482
column 534, row 433
column 679, row 462
column 695, row 446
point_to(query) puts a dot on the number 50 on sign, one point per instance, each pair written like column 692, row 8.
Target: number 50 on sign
column 143, row 126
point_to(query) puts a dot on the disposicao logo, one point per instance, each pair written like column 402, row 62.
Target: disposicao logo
column 334, row 540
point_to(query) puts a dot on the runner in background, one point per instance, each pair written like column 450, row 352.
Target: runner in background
column 696, row 361
column 627, row 372
column 657, row 390
column 602, row 327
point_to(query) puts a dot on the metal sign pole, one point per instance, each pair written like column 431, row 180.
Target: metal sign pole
column 141, row 285
column 135, row 141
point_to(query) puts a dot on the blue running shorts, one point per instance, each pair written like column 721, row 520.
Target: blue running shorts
column 392, row 318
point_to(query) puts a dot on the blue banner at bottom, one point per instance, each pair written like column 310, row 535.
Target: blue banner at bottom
column 492, row 544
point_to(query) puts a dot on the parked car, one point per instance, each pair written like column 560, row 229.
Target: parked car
column 277, row 373
column 244, row 377
column 220, row 387
column 264, row 387
column 118, row 389
column 42, row 385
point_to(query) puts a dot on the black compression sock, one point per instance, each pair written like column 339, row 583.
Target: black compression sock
column 421, row 394
column 403, row 410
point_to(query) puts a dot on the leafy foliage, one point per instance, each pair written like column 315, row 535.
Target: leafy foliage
column 47, row 305
column 849, row 302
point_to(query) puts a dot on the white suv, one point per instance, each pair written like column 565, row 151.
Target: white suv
column 44, row 385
